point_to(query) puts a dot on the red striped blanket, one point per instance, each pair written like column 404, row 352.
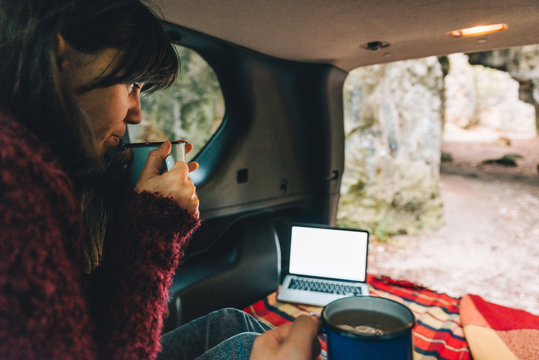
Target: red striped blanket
column 499, row 332
column 438, row 333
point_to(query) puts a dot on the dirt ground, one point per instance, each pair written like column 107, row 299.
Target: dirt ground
column 489, row 244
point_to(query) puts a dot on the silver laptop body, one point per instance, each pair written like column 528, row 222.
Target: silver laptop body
column 326, row 263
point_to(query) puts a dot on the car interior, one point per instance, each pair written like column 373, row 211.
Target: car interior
column 278, row 155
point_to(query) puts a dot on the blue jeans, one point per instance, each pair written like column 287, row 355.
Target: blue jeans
column 226, row 334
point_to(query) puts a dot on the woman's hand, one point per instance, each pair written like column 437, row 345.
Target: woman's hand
column 175, row 183
column 293, row 341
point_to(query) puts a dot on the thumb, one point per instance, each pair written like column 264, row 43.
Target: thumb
column 154, row 163
column 303, row 335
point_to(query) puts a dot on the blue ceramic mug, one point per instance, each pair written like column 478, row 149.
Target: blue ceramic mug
column 366, row 327
column 141, row 152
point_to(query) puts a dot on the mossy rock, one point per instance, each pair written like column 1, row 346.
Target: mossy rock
column 506, row 160
column 446, row 157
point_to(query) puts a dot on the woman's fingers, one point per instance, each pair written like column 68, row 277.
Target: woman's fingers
column 181, row 187
column 154, row 163
column 294, row 341
column 304, row 335
column 193, row 165
column 174, row 184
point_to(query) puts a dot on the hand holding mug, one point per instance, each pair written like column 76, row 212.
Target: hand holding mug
column 174, row 183
column 293, row 341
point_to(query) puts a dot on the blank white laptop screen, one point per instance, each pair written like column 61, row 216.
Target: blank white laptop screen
column 329, row 253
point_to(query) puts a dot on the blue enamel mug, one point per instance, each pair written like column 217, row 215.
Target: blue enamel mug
column 370, row 328
column 141, row 152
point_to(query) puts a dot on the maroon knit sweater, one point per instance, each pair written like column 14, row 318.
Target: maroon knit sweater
column 46, row 309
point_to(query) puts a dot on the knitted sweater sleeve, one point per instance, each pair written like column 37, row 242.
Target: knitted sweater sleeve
column 130, row 290
column 43, row 311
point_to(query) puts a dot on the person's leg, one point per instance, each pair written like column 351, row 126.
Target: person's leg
column 198, row 336
column 238, row 347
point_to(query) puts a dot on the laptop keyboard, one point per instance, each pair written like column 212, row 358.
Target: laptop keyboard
column 323, row 286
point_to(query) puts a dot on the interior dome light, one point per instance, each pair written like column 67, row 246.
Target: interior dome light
column 478, row 30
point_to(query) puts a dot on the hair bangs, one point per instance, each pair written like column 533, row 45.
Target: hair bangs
column 146, row 54
column 152, row 60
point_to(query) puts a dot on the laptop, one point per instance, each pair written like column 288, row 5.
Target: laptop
column 326, row 263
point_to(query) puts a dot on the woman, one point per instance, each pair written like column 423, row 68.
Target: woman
column 84, row 264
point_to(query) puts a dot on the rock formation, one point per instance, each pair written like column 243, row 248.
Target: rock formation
column 477, row 95
column 522, row 63
column 394, row 115
column 393, row 140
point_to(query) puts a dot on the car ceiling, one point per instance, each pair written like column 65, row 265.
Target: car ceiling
column 334, row 31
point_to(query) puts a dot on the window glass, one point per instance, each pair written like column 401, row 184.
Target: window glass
column 191, row 109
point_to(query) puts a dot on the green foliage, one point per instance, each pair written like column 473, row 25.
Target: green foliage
column 446, row 157
column 506, row 160
column 191, row 109
column 383, row 230
column 358, row 189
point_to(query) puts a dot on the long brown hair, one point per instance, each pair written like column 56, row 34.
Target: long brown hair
column 31, row 89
